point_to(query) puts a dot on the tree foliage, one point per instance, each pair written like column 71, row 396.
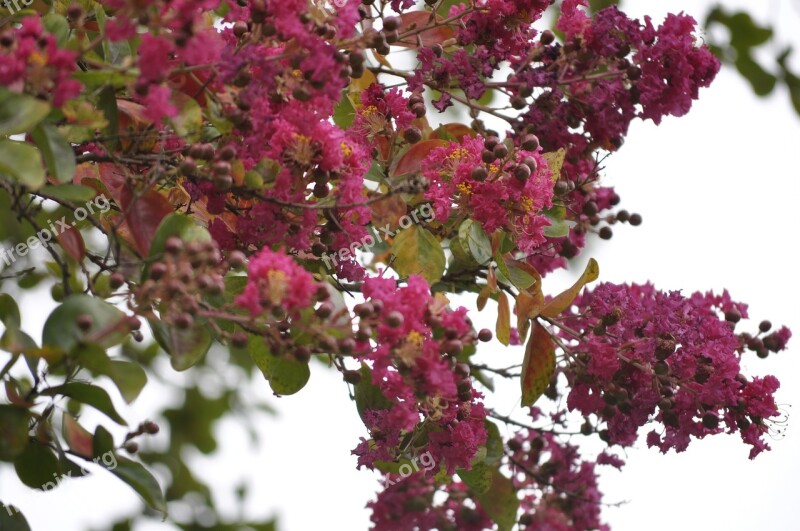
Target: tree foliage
column 264, row 185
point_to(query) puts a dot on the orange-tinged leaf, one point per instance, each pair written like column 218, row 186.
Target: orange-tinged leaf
column 538, row 366
column 72, row 242
column 458, row 131
column 503, row 327
column 78, row 439
column 491, row 279
column 563, row 300
column 412, row 159
column 388, row 211
column 483, row 297
column 418, row 19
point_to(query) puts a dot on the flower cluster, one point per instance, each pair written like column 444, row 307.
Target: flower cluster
column 412, row 340
column 275, row 283
column 643, row 355
column 410, row 504
column 559, row 489
column 486, row 178
column 31, row 61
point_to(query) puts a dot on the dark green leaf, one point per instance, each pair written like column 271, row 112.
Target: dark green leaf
column 763, row 82
column 90, row 395
column 142, row 481
column 13, row 431
column 38, row 467
column 11, row 519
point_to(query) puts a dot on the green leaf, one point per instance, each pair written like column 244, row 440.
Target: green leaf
column 57, row 152
column 61, row 330
column 473, row 237
column 13, row 431
column 763, row 82
column 142, row 481
column 495, row 449
column 88, row 394
column 189, row 120
column 21, row 163
column 180, row 225
column 344, row 113
column 129, row 377
column 511, row 274
column 286, row 375
column 102, row 442
column 73, row 193
column 19, row 113
column 538, row 365
column 185, row 347
column 12, row 520
column 58, row 26
column 368, row 396
column 9, row 311
column 107, row 102
column 38, row 467
column 500, row 502
column 418, row 252
column 479, row 478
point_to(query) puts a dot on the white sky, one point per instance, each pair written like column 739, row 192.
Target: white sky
column 718, row 190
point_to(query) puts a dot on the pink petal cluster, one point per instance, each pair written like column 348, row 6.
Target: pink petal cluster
column 275, row 280
column 34, row 63
column 407, row 355
column 646, row 355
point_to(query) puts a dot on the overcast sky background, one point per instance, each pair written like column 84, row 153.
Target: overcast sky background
column 719, row 192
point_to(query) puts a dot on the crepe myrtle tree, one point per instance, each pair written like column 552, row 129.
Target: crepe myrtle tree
column 242, row 145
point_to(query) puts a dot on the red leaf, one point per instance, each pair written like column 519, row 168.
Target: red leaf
column 143, row 215
column 538, row 366
column 72, row 242
column 188, row 84
column 410, row 162
column 419, row 19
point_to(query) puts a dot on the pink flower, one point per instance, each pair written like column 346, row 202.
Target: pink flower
column 274, row 280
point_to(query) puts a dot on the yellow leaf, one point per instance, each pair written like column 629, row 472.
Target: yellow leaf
column 538, row 366
column 503, row 328
column 563, row 300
